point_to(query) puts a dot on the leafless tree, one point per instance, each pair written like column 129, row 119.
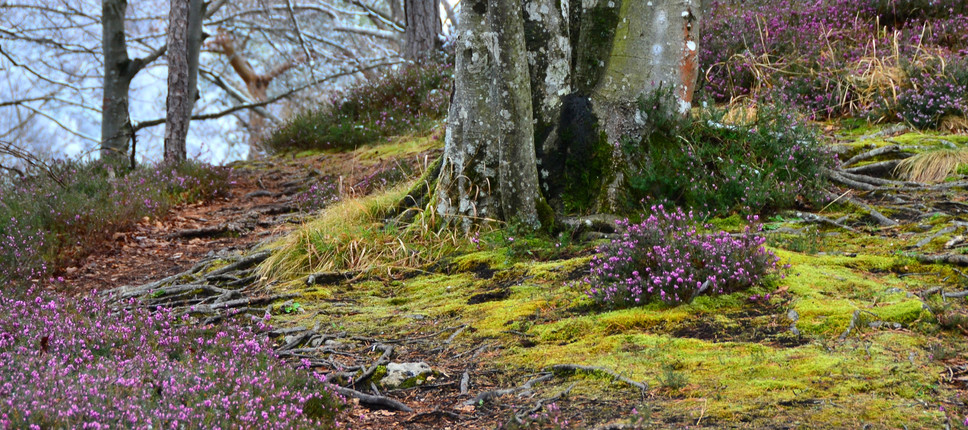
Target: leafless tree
column 90, row 74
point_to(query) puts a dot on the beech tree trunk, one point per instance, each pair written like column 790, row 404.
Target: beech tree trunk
column 618, row 51
column 668, row 31
column 489, row 168
column 422, row 27
column 184, row 42
column 555, row 85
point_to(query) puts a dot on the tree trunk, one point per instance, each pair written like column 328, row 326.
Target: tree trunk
column 557, row 84
column 184, row 42
column 489, row 168
column 179, row 113
column 116, row 130
column 423, row 26
column 668, row 31
column 621, row 51
column 196, row 14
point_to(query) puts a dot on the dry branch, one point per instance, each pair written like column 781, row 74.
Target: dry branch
column 373, row 401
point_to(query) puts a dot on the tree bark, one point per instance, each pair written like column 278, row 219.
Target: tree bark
column 116, row 130
column 184, row 42
column 178, row 105
column 423, row 26
column 489, row 168
column 619, row 51
column 668, row 31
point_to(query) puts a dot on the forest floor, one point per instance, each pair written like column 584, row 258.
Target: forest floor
column 866, row 329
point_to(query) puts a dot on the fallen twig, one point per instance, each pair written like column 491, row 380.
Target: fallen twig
column 371, row 400
column 488, row 395
column 928, row 239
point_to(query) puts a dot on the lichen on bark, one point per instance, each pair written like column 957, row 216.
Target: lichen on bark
column 489, row 169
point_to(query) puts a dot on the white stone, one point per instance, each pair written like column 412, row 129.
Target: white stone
column 398, row 373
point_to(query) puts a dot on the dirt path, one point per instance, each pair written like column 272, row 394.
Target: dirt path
column 258, row 207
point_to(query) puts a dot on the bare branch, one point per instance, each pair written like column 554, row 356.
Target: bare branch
column 144, row 124
column 61, row 125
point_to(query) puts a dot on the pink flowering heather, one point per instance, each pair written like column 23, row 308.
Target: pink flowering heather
column 78, row 363
column 51, row 217
column 667, row 257
column 814, row 54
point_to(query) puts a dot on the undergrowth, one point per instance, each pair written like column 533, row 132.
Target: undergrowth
column 883, row 59
column 669, row 257
column 352, row 235
column 78, row 363
column 52, row 217
column 771, row 162
column 410, row 100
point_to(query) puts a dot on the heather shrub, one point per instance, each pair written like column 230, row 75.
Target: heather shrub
column 409, row 100
column 767, row 164
column 80, row 363
column 829, row 58
column 321, row 194
column 932, row 93
column 60, row 213
column 670, row 257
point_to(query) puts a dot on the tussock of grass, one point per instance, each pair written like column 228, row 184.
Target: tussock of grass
column 352, row 236
column 932, row 166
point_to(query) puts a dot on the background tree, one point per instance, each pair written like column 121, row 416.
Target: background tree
column 67, row 65
column 422, row 28
column 119, row 70
column 184, row 40
column 588, row 68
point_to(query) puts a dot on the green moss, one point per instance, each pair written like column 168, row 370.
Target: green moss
column 597, row 35
column 398, row 148
column 586, row 172
column 546, row 215
column 379, row 373
column 731, row 223
column 904, row 312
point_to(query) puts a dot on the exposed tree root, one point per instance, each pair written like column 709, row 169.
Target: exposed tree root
column 369, row 400
column 956, row 259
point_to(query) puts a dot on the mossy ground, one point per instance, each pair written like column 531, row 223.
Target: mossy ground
column 725, row 361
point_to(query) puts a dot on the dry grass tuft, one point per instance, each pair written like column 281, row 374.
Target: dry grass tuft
column 352, row 236
column 933, row 166
column 954, row 124
column 742, row 111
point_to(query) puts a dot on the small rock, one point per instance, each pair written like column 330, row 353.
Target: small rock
column 400, row 374
column 955, row 241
